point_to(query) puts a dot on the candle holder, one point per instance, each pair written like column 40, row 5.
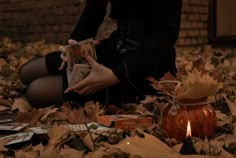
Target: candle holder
column 200, row 113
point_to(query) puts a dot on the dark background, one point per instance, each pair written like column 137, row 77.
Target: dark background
column 203, row 21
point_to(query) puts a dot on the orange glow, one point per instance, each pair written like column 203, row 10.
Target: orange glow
column 188, row 133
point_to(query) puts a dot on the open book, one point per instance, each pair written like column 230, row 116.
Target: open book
column 77, row 65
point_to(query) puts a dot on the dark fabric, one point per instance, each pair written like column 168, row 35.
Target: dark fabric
column 95, row 11
column 116, row 95
column 53, row 62
column 144, row 41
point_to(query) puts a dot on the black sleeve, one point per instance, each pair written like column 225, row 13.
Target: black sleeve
column 90, row 20
column 156, row 54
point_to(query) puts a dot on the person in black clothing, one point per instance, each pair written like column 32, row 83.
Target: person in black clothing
column 142, row 45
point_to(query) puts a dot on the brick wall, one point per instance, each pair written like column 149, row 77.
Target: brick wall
column 30, row 20
column 194, row 23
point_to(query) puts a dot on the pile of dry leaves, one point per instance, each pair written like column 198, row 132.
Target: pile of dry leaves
column 218, row 65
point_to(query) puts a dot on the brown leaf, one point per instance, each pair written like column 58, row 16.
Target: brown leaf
column 197, row 86
column 38, row 147
column 222, row 119
column 199, row 64
column 231, row 105
column 149, row 99
column 28, row 154
column 22, row 105
column 168, row 76
column 89, row 141
column 92, row 109
column 2, row 143
column 71, row 153
column 35, row 116
column 149, row 146
column 49, row 111
column 165, row 86
column 4, row 108
column 49, row 152
column 56, row 134
column 99, row 153
column 5, row 102
column 64, row 112
column 77, row 116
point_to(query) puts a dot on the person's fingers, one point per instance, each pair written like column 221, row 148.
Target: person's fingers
column 62, row 48
column 90, row 60
column 85, row 90
column 96, row 42
column 63, row 57
column 89, row 92
column 77, row 86
column 72, row 42
column 62, row 65
column 64, row 60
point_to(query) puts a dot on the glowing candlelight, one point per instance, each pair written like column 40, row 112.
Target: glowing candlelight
column 188, row 147
column 189, row 132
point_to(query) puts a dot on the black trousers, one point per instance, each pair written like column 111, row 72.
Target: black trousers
column 107, row 55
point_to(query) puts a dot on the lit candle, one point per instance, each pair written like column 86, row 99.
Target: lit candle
column 189, row 132
column 188, row 147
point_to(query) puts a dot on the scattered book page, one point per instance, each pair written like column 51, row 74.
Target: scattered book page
column 12, row 126
column 18, row 138
column 5, row 120
column 93, row 126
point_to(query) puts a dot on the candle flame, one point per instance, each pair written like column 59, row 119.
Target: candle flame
column 189, row 132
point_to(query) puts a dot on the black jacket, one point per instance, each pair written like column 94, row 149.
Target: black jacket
column 155, row 24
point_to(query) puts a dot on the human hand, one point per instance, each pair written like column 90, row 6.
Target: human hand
column 71, row 42
column 99, row 77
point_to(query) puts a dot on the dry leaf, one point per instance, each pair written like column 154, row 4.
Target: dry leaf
column 149, row 147
column 22, row 105
column 222, row 119
column 4, row 108
column 199, row 64
column 32, row 117
column 168, row 76
column 140, row 109
column 71, row 153
column 64, row 112
column 38, row 147
column 231, row 105
column 234, row 129
column 76, row 116
column 99, row 153
column 56, row 134
column 89, row 141
column 228, row 138
column 49, row 111
column 92, row 109
column 165, row 86
column 2, row 145
column 149, row 99
column 28, row 154
column 36, row 115
column 197, row 86
column 5, row 102
column 49, row 152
